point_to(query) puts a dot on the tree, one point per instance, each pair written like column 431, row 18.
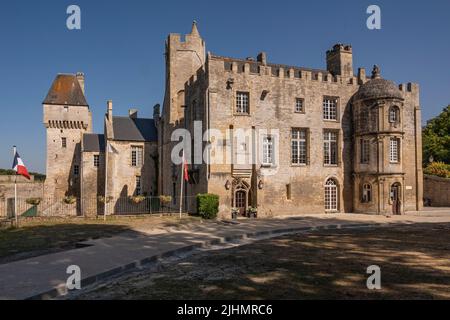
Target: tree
column 436, row 138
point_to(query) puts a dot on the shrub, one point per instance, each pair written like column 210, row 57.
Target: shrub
column 208, row 205
column 69, row 200
column 34, row 201
column 165, row 199
column 104, row 200
column 137, row 199
column 439, row 169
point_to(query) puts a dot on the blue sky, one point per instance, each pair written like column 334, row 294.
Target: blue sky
column 121, row 44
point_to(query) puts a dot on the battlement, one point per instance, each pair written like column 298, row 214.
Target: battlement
column 338, row 48
column 409, row 87
column 252, row 67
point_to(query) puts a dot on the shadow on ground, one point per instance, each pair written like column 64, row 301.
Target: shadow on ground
column 34, row 240
column 414, row 262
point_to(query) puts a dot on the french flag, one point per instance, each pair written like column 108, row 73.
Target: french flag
column 19, row 167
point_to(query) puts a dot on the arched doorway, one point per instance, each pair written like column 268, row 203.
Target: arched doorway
column 241, row 196
column 396, row 199
column 331, row 195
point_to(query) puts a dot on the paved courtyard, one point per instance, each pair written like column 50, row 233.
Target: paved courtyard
column 45, row 276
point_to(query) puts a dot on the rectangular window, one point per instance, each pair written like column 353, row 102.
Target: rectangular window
column 330, row 147
column 299, row 146
column 330, row 108
column 64, row 142
column 242, row 102
column 394, row 150
column 96, row 160
column 76, row 170
column 137, row 159
column 365, row 151
column 138, row 186
column 268, row 150
column 299, row 105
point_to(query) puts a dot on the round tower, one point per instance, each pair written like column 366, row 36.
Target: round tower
column 378, row 138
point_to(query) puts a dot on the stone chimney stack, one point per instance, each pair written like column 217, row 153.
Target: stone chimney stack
column 262, row 58
column 133, row 113
column 110, row 110
column 80, row 78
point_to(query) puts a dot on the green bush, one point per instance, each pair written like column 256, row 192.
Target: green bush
column 439, row 169
column 208, row 205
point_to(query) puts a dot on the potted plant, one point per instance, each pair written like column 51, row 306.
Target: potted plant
column 104, row 200
column 69, row 200
column 234, row 213
column 252, row 212
column 137, row 199
column 34, row 201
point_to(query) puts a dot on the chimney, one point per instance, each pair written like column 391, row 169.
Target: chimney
column 133, row 113
column 110, row 109
column 80, row 78
column 156, row 111
column 262, row 58
column 361, row 76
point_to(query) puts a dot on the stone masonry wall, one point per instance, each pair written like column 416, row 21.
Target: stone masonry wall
column 437, row 190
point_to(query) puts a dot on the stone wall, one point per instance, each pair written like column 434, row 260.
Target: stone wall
column 437, row 190
column 25, row 189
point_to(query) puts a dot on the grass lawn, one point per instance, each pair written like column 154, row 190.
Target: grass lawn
column 414, row 262
column 41, row 236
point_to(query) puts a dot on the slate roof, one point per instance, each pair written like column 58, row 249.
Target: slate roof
column 139, row 129
column 66, row 90
column 377, row 89
column 93, row 142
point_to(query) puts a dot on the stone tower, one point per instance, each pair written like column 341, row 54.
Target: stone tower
column 66, row 118
column 340, row 60
column 184, row 57
column 380, row 147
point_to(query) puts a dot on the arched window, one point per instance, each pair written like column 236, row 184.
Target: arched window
column 366, row 193
column 394, row 114
column 331, row 195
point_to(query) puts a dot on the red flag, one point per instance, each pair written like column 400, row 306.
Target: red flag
column 19, row 167
column 185, row 170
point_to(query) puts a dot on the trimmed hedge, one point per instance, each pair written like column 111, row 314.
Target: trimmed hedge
column 207, row 205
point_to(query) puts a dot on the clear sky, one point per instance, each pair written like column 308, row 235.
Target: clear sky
column 121, row 43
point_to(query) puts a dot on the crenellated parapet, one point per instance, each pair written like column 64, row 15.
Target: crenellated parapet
column 290, row 73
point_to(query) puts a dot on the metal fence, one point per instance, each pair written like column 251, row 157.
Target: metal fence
column 88, row 206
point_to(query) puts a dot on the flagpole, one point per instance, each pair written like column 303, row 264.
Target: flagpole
column 182, row 185
column 15, row 194
column 106, row 180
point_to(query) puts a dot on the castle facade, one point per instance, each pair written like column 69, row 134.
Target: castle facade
column 283, row 139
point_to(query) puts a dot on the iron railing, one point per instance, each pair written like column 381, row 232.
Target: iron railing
column 88, row 206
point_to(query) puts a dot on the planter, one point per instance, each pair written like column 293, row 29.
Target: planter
column 252, row 213
column 234, row 213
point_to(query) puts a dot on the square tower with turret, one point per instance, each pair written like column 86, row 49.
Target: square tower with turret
column 66, row 118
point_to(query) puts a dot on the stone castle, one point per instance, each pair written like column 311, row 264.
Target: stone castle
column 326, row 140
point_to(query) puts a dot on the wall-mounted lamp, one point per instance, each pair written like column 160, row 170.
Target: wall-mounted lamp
column 260, row 185
column 228, row 185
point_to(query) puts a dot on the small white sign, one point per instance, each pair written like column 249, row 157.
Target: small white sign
column 409, row 187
